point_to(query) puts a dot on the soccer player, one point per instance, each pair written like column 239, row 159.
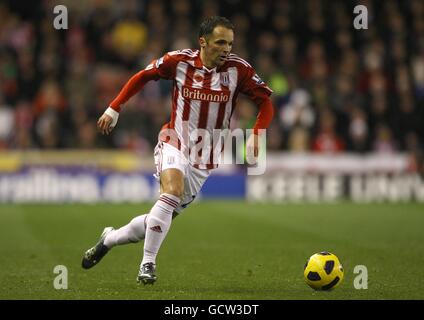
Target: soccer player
column 206, row 84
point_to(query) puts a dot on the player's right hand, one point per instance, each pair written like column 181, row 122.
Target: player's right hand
column 107, row 121
column 104, row 124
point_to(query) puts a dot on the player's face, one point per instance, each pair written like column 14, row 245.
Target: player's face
column 217, row 46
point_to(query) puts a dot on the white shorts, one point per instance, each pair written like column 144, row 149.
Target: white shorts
column 167, row 157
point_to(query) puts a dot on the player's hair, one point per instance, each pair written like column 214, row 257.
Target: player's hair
column 207, row 25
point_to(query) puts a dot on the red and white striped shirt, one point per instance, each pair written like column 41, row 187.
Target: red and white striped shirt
column 202, row 98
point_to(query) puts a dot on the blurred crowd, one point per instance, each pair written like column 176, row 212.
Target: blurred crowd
column 335, row 88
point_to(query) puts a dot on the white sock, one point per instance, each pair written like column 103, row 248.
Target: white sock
column 158, row 224
column 131, row 233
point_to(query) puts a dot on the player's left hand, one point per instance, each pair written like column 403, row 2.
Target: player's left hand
column 252, row 149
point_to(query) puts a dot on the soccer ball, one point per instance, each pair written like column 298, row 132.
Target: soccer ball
column 323, row 271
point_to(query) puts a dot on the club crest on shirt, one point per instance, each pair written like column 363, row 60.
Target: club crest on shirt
column 198, row 78
column 225, row 78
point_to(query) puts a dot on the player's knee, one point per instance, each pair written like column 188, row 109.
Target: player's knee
column 174, row 189
column 172, row 182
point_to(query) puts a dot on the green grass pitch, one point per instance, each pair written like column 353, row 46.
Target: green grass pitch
column 215, row 250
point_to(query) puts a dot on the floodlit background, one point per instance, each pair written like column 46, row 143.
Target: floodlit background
column 335, row 88
column 345, row 158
